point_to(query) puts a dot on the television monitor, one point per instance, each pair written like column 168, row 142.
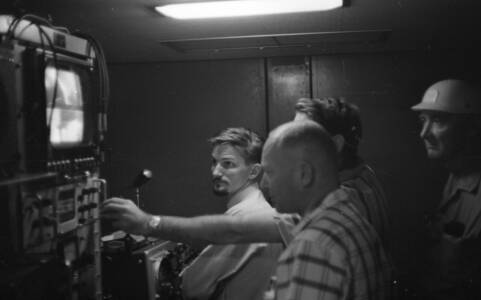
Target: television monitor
column 61, row 112
column 65, row 107
column 56, row 89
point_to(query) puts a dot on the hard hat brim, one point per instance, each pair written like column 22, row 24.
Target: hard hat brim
column 426, row 106
column 434, row 107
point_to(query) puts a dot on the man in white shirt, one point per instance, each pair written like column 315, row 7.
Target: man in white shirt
column 240, row 271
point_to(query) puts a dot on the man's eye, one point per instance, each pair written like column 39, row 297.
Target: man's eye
column 227, row 164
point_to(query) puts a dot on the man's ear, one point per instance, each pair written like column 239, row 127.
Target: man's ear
column 339, row 142
column 305, row 174
column 256, row 172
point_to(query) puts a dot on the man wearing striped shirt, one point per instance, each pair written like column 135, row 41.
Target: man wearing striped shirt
column 335, row 253
column 343, row 122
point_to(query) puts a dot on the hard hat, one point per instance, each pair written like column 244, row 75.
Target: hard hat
column 451, row 96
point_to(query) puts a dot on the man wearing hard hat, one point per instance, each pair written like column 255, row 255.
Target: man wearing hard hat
column 450, row 115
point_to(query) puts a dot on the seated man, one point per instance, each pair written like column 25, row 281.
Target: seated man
column 240, row 271
column 335, row 253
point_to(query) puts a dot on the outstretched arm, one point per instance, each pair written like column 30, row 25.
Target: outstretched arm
column 207, row 229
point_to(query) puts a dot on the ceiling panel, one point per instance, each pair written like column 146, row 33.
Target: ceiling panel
column 131, row 31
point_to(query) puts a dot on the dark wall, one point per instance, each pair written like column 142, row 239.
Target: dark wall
column 384, row 86
column 289, row 78
column 160, row 118
column 161, row 115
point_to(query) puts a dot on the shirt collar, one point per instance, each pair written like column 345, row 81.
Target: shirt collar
column 252, row 200
column 348, row 174
column 330, row 200
column 466, row 182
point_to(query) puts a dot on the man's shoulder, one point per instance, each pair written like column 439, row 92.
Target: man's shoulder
column 253, row 202
column 338, row 226
column 362, row 178
column 469, row 182
column 313, row 242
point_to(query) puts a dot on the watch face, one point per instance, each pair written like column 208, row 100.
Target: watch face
column 154, row 221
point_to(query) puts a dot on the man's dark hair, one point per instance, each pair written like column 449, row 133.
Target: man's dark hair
column 247, row 141
column 337, row 117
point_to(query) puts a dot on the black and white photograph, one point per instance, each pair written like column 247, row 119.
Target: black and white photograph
column 240, row 150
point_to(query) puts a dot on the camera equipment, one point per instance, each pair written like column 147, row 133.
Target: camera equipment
column 54, row 91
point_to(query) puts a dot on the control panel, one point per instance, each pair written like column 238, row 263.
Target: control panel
column 54, row 230
column 51, row 211
column 78, row 163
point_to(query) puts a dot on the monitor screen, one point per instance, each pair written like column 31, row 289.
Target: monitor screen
column 65, row 107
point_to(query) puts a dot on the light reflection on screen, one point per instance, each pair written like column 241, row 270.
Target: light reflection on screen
column 66, row 115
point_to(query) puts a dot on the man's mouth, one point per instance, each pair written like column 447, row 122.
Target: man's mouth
column 218, row 182
column 430, row 146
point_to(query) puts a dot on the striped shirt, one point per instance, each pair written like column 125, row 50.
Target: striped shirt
column 372, row 199
column 335, row 254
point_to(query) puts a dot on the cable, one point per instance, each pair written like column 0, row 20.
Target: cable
column 104, row 86
column 38, row 22
column 42, row 34
column 16, row 21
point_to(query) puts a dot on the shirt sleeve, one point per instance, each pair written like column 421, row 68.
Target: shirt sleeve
column 285, row 224
column 213, row 265
column 307, row 270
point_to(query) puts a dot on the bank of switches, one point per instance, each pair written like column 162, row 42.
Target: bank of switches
column 53, row 211
column 56, row 239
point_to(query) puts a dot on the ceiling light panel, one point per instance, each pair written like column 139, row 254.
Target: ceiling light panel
column 223, row 9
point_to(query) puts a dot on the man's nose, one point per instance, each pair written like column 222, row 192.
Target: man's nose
column 426, row 129
column 216, row 170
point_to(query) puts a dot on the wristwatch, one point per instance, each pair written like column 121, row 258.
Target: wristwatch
column 154, row 221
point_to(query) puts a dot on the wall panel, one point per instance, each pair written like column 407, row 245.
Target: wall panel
column 385, row 86
column 161, row 116
column 288, row 79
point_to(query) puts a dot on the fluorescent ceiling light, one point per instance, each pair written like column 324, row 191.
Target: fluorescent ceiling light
column 221, row 9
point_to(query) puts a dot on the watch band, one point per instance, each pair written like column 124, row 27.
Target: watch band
column 152, row 224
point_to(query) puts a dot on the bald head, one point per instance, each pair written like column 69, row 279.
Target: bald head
column 305, row 138
column 300, row 164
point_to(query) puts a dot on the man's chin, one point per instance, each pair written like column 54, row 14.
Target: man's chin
column 434, row 155
column 220, row 192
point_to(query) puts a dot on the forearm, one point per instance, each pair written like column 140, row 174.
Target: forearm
column 210, row 229
column 218, row 229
